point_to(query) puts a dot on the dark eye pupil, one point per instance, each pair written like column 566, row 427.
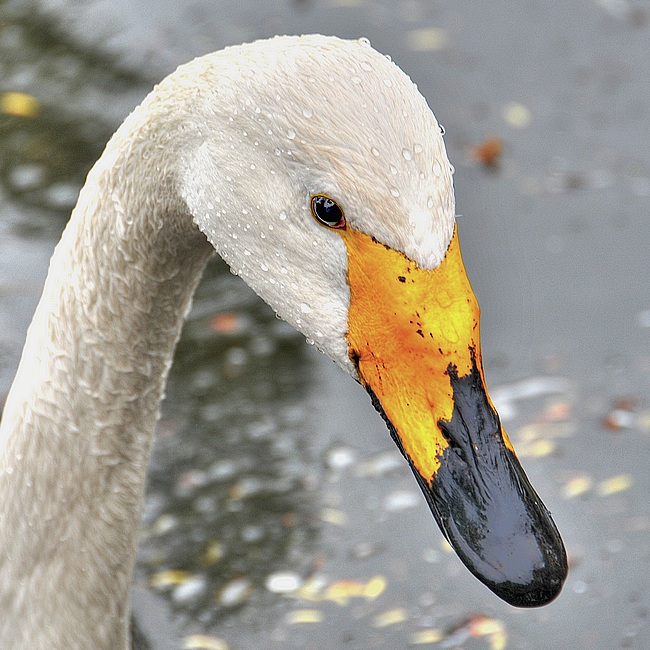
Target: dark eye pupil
column 327, row 211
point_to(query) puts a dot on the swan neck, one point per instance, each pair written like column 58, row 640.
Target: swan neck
column 78, row 423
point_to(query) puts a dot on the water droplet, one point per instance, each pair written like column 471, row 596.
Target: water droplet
column 394, row 191
column 247, row 253
column 291, row 134
column 422, row 176
column 305, row 308
column 365, row 66
column 307, row 112
column 364, row 41
column 253, row 166
column 277, row 152
column 355, row 80
column 264, row 267
column 244, row 133
column 442, row 129
column 210, row 206
column 393, row 170
column 387, row 56
column 283, row 215
column 417, row 148
column 375, row 151
column 407, row 154
column 430, row 202
column 388, row 83
column 437, row 170
column 452, row 169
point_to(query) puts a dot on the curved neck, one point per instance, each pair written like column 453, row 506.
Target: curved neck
column 78, row 422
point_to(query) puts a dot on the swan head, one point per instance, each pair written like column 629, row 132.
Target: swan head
column 317, row 170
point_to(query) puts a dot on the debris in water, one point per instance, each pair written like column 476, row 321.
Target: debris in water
column 488, row 153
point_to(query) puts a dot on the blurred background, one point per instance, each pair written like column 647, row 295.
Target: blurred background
column 279, row 514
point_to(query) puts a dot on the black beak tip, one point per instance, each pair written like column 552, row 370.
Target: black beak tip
column 543, row 589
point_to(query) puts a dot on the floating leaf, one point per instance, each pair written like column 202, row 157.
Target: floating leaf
column 426, row 636
column 204, row 642
column 19, row 104
column 618, row 483
column 517, row 115
column 576, row 486
column 333, row 516
column 390, row 617
column 304, row 616
column 169, row 578
column 429, row 39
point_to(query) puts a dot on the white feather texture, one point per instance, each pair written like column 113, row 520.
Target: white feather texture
column 355, row 128
column 234, row 143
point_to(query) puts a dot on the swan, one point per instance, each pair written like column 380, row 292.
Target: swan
column 316, row 169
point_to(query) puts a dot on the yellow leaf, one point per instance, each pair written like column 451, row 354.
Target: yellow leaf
column 19, row 104
column 391, row 617
column 577, row 486
column 615, row 484
column 204, row 642
column 304, row 616
column 430, row 39
column 426, row 636
column 169, row 578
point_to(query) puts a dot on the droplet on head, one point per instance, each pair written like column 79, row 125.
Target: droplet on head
column 407, row 154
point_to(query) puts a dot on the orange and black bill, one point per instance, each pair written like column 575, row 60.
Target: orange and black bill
column 414, row 339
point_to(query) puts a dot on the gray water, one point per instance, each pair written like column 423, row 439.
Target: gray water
column 268, row 459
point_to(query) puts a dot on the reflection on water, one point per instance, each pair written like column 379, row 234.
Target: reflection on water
column 230, row 485
column 72, row 99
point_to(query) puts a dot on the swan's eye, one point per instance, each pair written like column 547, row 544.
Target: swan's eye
column 327, row 211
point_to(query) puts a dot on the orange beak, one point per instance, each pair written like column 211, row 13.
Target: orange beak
column 414, row 338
